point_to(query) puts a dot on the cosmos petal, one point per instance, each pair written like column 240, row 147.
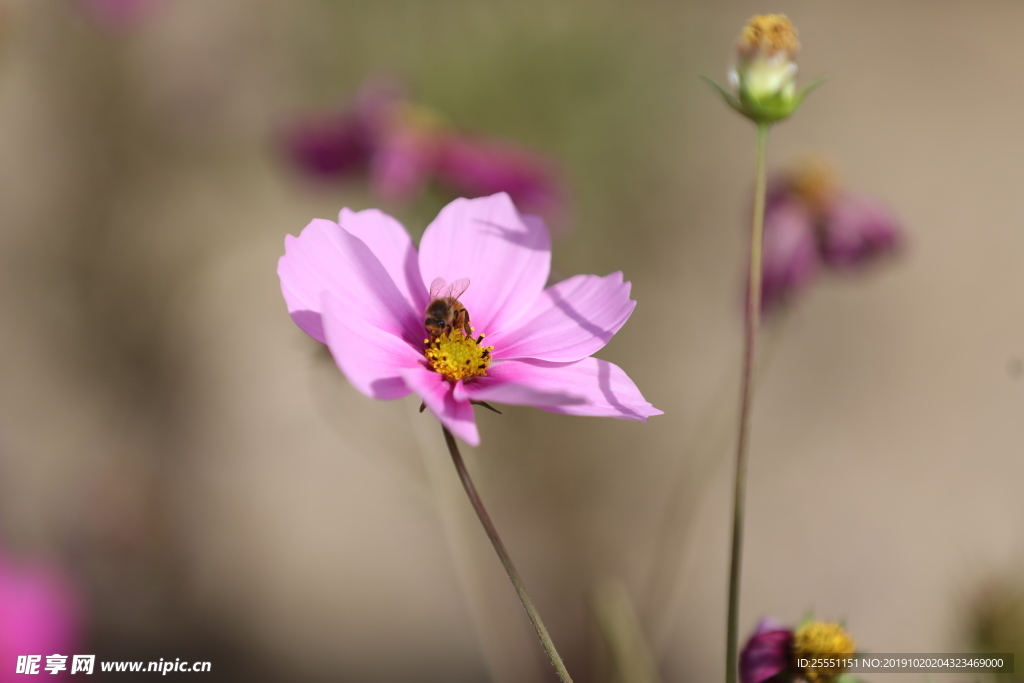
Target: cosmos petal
column 324, row 258
column 500, row 390
column 372, row 359
column 391, row 244
column 40, row 612
column 790, row 257
column 857, row 231
column 766, row 654
column 605, row 389
column 573, row 319
column 437, row 393
column 505, row 254
column 476, row 167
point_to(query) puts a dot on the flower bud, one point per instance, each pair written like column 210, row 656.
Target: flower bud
column 765, row 71
column 764, row 77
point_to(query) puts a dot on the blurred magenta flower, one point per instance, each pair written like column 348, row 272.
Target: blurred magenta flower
column 857, row 231
column 360, row 287
column 475, row 167
column 811, row 225
column 767, row 652
column 39, row 615
column 790, row 252
column 402, row 147
column 117, row 14
column 774, row 649
column 336, row 144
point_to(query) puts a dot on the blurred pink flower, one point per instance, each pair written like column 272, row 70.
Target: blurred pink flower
column 811, row 225
column 857, row 231
column 474, row 167
column 361, row 287
column 790, row 252
column 335, row 144
column 39, row 615
column 766, row 653
column 402, row 147
column 118, row 14
column 404, row 161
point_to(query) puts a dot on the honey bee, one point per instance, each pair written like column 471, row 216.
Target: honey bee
column 445, row 311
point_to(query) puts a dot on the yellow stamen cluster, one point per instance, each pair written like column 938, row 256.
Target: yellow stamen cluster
column 815, row 181
column 421, row 118
column 457, row 356
column 769, row 34
column 823, row 639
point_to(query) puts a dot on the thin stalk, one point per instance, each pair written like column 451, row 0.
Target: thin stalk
column 753, row 321
column 506, row 561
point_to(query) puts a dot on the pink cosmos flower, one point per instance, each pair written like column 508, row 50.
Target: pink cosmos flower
column 361, row 287
column 38, row 616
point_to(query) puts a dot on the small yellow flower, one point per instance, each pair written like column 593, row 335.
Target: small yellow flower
column 815, row 182
column 765, row 73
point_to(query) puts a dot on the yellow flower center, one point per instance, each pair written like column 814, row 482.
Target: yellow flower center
column 823, row 639
column 420, row 118
column 457, row 356
column 815, row 181
column 769, row 34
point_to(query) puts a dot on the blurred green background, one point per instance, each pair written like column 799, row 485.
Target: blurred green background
column 221, row 493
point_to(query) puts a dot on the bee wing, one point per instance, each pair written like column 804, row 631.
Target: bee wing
column 458, row 288
column 437, row 288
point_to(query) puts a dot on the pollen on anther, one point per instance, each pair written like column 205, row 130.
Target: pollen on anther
column 457, row 356
column 770, row 34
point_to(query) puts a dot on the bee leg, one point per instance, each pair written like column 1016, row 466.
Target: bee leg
column 423, row 406
column 486, row 405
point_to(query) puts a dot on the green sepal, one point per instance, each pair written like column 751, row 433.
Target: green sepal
column 807, row 618
column 810, row 87
column 729, row 98
column 769, row 109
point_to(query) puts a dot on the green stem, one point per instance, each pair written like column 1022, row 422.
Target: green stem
column 506, row 561
column 753, row 320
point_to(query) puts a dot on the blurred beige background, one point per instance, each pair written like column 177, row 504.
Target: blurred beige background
column 218, row 488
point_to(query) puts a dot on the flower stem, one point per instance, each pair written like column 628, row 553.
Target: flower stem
column 753, row 321
column 506, row 561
